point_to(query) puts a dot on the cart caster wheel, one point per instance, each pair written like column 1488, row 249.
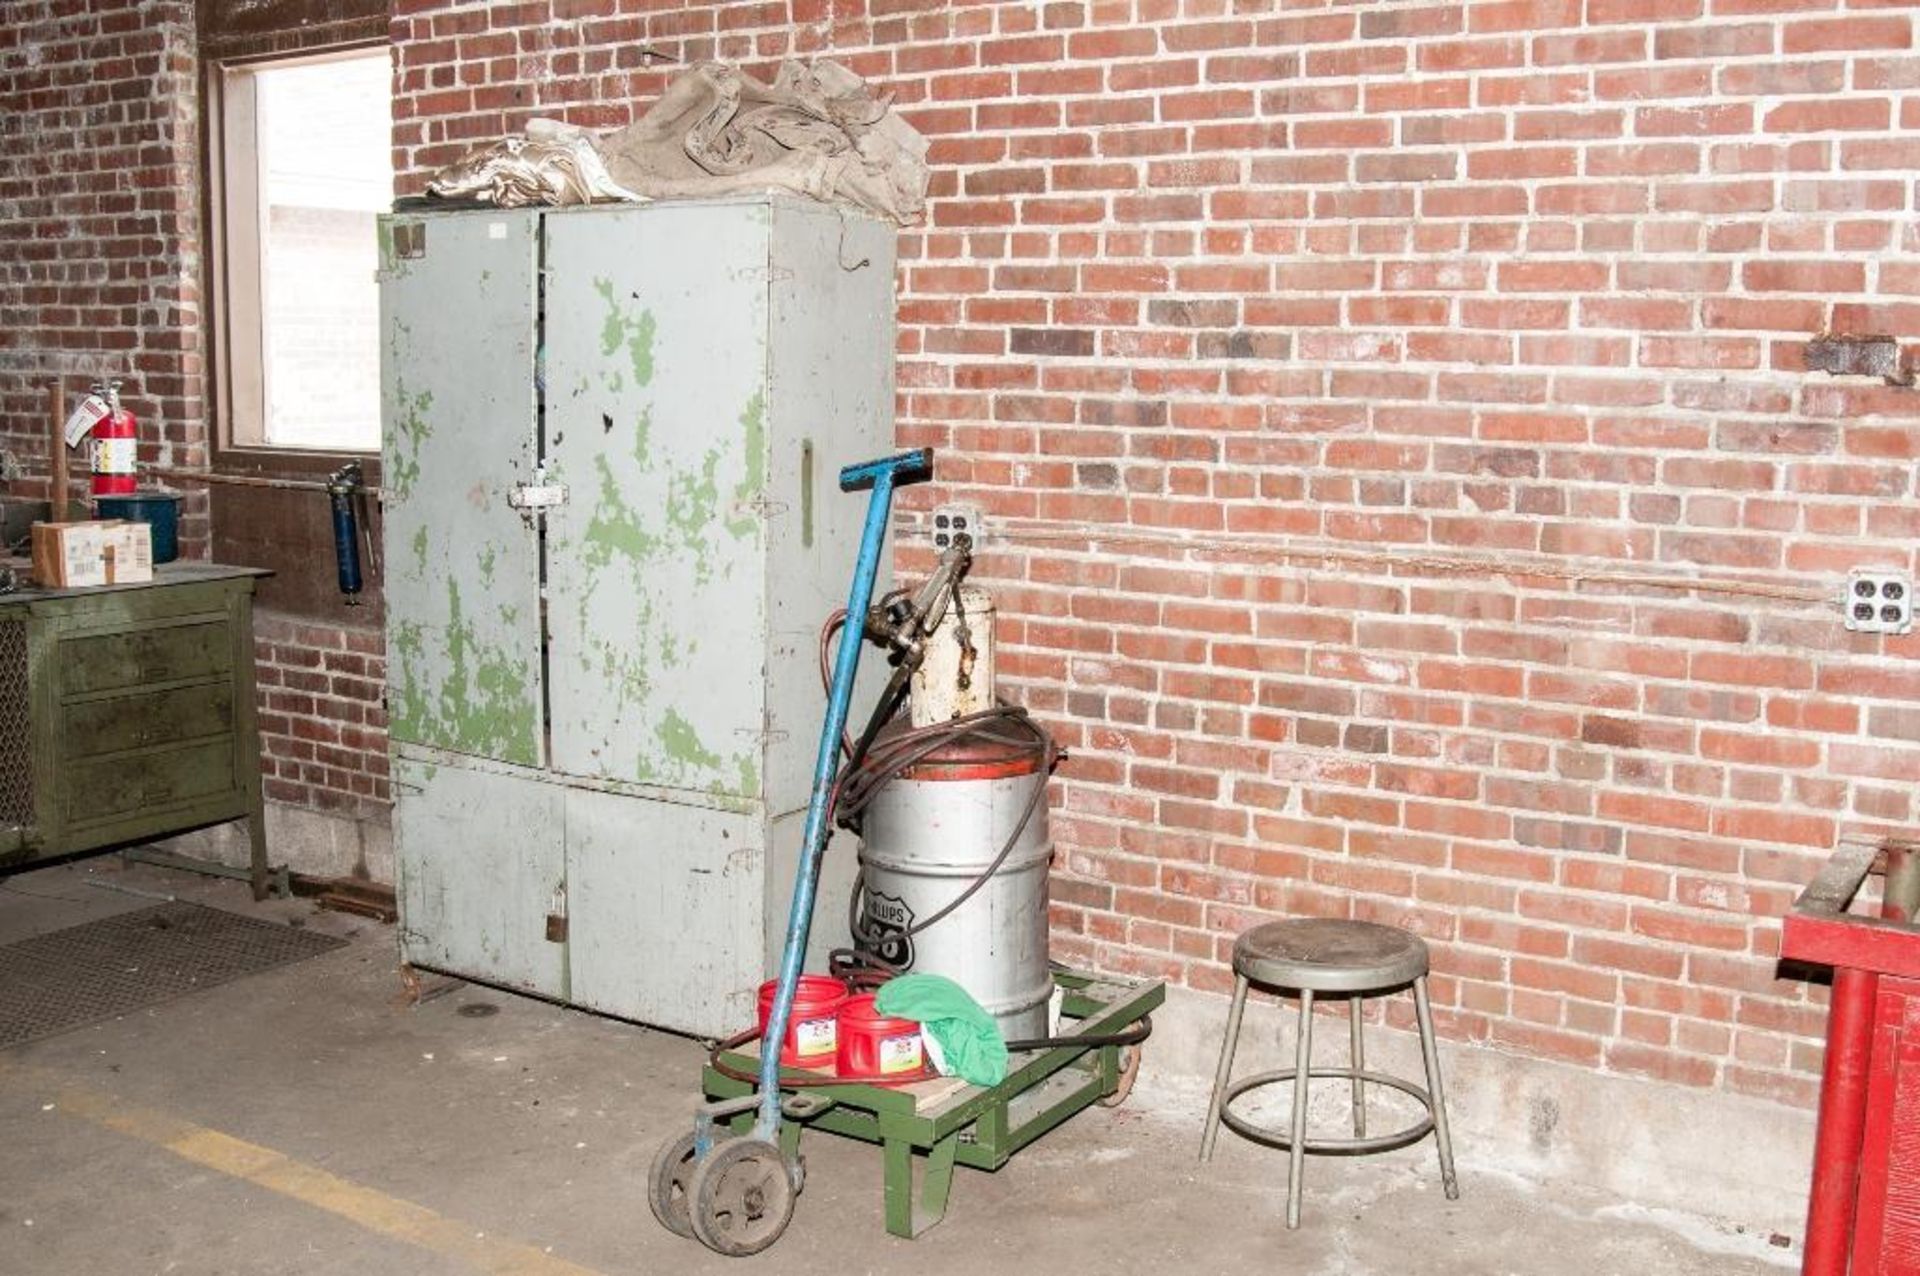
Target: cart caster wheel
column 1129, row 1073
column 741, row 1197
column 668, row 1186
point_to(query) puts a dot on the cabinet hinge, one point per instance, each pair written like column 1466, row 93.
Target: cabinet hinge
column 760, row 507
column 766, row 735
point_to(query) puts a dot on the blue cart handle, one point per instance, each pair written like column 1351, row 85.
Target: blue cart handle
column 882, row 476
column 902, row 469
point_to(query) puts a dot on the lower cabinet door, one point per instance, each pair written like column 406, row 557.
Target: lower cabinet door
column 482, row 874
column 666, row 910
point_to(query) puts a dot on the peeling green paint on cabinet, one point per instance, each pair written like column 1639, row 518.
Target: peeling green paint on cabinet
column 457, row 364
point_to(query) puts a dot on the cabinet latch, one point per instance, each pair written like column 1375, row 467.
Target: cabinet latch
column 537, row 496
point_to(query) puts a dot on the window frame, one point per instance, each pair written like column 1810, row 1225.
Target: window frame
column 236, row 391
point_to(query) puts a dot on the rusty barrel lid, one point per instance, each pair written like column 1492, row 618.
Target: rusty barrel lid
column 971, row 758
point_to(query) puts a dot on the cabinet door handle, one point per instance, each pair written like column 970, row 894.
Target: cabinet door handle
column 806, row 493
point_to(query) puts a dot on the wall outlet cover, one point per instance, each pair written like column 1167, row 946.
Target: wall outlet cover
column 1879, row 601
column 951, row 521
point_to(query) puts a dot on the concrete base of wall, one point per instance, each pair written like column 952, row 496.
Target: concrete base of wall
column 309, row 842
column 1661, row 1146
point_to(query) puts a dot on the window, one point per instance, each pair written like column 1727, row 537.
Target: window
column 304, row 164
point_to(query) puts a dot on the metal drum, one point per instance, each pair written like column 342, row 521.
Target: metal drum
column 929, row 834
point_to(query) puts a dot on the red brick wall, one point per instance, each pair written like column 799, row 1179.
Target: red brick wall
column 100, row 275
column 323, row 724
column 99, row 224
column 1411, row 502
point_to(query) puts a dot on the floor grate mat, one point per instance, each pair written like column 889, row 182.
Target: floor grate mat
column 58, row 981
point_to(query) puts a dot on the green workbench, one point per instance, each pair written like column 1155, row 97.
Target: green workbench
column 946, row 1122
column 127, row 713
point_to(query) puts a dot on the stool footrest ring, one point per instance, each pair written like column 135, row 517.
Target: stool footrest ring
column 1246, row 1129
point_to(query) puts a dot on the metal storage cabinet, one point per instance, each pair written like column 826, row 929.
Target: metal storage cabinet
column 604, row 711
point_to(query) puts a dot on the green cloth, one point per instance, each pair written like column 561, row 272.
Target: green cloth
column 959, row 1031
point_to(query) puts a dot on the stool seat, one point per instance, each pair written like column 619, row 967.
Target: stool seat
column 1330, row 954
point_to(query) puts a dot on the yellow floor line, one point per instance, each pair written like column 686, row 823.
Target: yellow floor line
column 277, row 1172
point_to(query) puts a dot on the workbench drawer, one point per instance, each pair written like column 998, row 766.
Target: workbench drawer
column 100, row 790
column 102, row 662
column 93, row 727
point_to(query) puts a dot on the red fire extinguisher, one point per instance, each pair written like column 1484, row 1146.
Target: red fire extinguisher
column 114, row 444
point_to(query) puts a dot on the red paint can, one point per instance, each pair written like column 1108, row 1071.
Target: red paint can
column 812, row 1028
column 873, row 1045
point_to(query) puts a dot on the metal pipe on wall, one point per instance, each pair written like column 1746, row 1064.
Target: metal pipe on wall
column 248, row 480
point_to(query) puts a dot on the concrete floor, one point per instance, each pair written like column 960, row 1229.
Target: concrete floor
column 305, row 1120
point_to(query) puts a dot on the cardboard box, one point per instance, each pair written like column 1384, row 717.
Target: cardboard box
column 75, row 555
column 69, row 555
column 129, row 552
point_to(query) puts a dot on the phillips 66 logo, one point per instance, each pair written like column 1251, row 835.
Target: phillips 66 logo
column 885, row 923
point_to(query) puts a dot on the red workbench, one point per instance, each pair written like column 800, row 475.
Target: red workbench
column 1863, row 1215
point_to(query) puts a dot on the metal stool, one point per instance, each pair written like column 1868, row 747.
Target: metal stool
column 1353, row 959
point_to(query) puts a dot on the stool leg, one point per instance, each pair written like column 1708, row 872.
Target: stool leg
column 1227, row 1045
column 1430, row 1052
column 1359, row 1065
column 1297, row 1154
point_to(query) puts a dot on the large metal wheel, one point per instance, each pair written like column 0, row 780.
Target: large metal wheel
column 669, row 1183
column 741, row 1197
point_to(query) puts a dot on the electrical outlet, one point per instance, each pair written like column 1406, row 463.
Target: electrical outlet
column 950, row 521
column 1879, row 602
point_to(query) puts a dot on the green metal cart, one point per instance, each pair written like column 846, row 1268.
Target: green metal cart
column 946, row 1122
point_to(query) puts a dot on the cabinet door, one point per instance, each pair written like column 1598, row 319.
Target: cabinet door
column 480, row 861
column 664, row 911
column 831, row 378
column 656, row 359
column 457, row 312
